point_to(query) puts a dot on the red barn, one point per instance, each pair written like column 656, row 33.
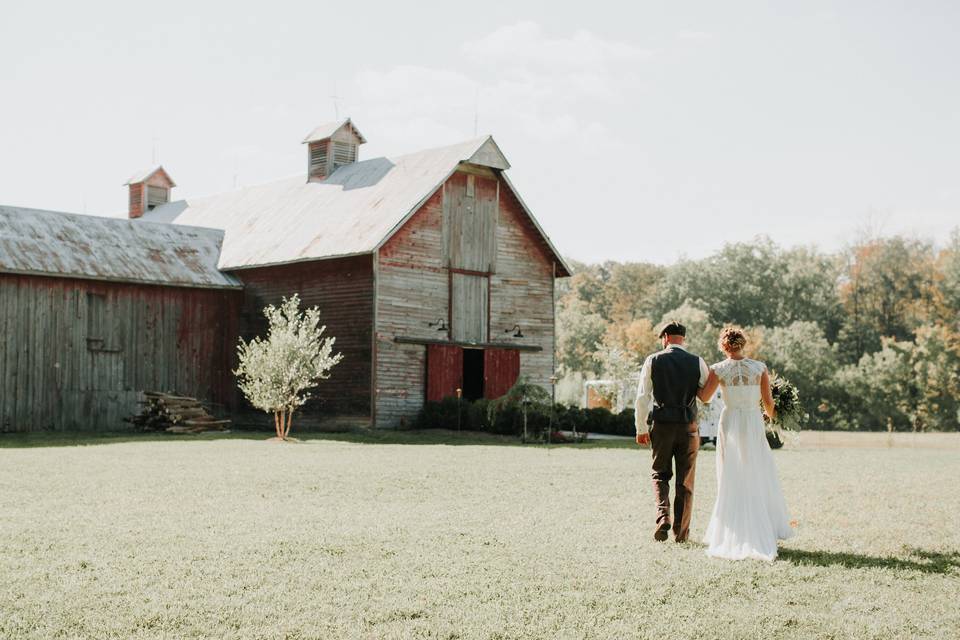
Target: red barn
column 428, row 268
column 94, row 310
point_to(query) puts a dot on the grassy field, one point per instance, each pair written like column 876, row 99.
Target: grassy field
column 385, row 538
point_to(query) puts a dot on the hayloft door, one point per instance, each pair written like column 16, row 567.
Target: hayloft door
column 469, row 303
column 470, row 213
column 444, row 371
column 501, row 368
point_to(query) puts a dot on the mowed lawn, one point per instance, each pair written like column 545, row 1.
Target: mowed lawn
column 240, row 538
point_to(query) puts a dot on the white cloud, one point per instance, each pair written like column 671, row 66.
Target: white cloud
column 434, row 88
column 525, row 43
column 407, row 107
column 518, row 78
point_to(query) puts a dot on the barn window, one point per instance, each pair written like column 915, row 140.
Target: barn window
column 471, row 186
column 157, row 196
column 96, row 322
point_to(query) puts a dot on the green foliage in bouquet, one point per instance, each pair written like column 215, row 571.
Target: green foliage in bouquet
column 786, row 401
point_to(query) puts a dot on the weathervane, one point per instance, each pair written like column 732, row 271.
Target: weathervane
column 336, row 102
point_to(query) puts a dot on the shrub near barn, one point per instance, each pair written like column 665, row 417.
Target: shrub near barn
column 504, row 416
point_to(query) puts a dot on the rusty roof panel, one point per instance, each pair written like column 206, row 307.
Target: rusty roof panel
column 71, row 245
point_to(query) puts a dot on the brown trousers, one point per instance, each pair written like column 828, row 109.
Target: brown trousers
column 674, row 443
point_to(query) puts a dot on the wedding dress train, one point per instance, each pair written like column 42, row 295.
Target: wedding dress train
column 750, row 514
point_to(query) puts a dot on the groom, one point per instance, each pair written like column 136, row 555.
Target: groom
column 667, row 405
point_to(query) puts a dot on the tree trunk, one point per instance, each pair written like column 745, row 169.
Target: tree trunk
column 286, row 431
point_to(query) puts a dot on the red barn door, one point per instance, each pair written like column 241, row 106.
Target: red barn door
column 501, row 368
column 444, row 371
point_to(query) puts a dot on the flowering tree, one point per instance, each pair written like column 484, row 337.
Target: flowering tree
column 619, row 367
column 275, row 374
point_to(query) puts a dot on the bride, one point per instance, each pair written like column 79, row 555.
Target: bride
column 750, row 514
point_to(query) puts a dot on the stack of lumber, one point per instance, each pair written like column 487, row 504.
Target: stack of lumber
column 175, row 414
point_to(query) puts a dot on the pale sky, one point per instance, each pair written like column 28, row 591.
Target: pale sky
column 645, row 130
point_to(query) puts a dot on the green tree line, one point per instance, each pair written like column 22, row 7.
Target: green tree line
column 870, row 334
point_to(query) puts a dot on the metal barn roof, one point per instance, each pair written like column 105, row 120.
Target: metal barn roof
column 353, row 211
column 52, row 243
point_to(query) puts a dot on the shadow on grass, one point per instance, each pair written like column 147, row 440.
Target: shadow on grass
column 914, row 560
column 426, row 437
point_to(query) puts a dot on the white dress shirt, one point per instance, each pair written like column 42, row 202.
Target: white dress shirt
column 645, row 388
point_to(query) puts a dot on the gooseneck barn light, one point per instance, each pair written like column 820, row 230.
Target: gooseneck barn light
column 439, row 324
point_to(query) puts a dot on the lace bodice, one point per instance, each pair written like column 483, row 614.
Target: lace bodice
column 741, row 382
column 739, row 373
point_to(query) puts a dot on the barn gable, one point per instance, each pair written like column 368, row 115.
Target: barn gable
column 489, row 155
column 464, row 294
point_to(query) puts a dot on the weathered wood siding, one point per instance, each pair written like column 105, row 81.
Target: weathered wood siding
column 522, row 290
column 414, row 282
column 412, row 291
column 136, row 205
column 75, row 353
column 343, row 290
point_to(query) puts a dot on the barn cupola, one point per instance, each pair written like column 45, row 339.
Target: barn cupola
column 330, row 146
column 148, row 189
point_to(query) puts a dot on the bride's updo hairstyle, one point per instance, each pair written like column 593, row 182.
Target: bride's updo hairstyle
column 732, row 339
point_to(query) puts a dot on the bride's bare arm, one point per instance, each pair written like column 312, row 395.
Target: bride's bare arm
column 706, row 391
column 767, row 396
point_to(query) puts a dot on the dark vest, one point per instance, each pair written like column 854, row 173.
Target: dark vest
column 676, row 379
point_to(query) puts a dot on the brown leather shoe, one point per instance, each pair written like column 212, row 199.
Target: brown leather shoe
column 662, row 532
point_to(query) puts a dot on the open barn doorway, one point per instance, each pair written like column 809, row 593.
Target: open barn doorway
column 473, row 374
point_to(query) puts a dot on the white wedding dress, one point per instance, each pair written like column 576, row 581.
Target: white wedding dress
column 750, row 514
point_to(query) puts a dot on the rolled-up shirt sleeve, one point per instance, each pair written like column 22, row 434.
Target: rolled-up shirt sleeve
column 644, row 396
column 704, row 373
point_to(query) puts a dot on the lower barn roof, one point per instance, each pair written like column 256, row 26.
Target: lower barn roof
column 52, row 243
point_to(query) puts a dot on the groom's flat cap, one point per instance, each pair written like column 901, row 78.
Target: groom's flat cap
column 673, row 328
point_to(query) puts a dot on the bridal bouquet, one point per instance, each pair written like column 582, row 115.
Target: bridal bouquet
column 786, row 401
